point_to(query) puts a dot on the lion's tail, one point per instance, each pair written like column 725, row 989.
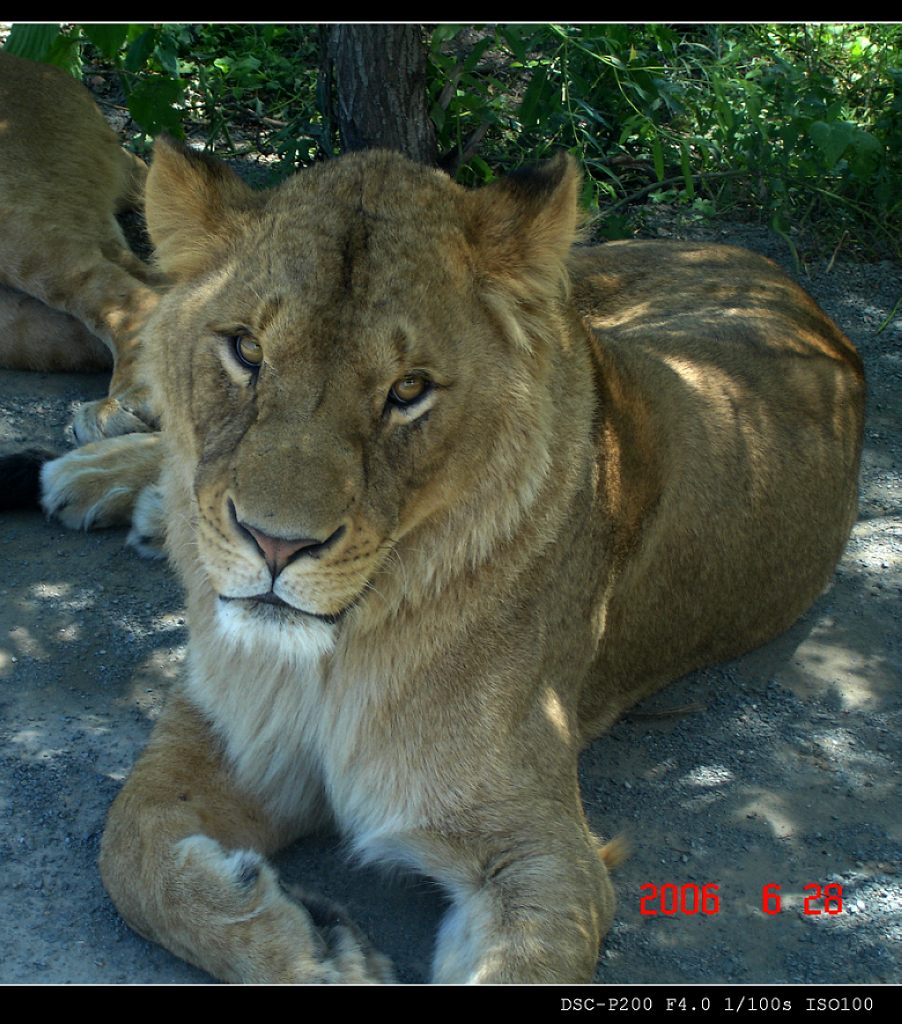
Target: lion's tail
column 20, row 477
column 615, row 852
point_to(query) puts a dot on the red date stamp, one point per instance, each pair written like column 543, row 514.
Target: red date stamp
column 684, row 899
column 670, row 899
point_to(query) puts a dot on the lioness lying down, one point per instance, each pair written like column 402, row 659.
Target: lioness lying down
column 446, row 495
column 73, row 296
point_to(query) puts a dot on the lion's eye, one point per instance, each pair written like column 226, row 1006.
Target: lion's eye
column 408, row 389
column 247, row 351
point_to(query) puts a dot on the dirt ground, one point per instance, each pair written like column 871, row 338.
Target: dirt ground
column 779, row 768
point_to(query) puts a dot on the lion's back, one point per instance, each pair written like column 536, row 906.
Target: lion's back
column 737, row 407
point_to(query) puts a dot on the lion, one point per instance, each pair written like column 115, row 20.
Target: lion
column 73, row 296
column 447, row 494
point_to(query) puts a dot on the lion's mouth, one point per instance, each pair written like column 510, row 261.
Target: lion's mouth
column 270, row 606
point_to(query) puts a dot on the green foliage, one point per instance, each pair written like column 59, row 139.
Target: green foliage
column 261, row 79
column 800, row 125
column 152, row 97
column 46, row 43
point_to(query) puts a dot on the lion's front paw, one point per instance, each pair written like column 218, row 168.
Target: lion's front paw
column 246, row 926
column 356, row 961
column 97, row 485
column 128, row 412
column 148, row 533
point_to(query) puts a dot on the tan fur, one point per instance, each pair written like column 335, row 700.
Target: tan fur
column 99, row 484
column 72, row 294
column 633, row 460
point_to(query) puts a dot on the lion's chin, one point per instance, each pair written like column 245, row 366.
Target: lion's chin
column 269, row 626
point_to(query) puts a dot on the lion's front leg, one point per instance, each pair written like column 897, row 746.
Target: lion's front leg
column 535, row 911
column 183, row 858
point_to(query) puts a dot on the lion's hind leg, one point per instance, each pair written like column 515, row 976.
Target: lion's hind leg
column 183, row 858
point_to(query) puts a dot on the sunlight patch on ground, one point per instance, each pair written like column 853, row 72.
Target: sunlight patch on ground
column 32, row 742
column 168, row 622
column 153, row 678
column 93, row 725
column 710, row 783
column 855, row 677
column 838, row 751
column 165, row 662
column 61, row 596
column 875, row 537
column 26, row 645
column 769, row 808
column 51, row 590
column 32, row 748
column 709, row 775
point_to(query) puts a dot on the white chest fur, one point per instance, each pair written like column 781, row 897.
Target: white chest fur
column 299, row 735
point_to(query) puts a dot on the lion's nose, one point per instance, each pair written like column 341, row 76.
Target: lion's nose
column 282, row 551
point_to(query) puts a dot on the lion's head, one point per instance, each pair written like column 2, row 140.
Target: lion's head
column 354, row 372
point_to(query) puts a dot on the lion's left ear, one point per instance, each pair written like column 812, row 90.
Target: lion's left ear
column 522, row 228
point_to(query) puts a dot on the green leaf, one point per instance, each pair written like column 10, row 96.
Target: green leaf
column 31, row 41
column 780, row 224
column 140, row 49
column 588, row 199
column 514, row 39
column 687, row 173
column 477, row 51
column 631, row 125
column 150, row 104
column 528, row 112
column 107, row 38
column 442, row 33
column 889, row 319
column 753, row 102
column 866, row 153
column 592, row 113
column 65, row 53
column 249, row 64
column 482, row 169
column 472, row 102
column 167, row 55
column 724, row 110
column 831, row 139
column 657, row 153
column 615, row 227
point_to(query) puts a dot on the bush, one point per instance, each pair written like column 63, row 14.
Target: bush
column 799, row 125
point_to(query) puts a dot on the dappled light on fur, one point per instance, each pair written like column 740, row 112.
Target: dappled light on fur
column 556, row 715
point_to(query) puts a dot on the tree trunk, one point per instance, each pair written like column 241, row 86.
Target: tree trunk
column 373, row 84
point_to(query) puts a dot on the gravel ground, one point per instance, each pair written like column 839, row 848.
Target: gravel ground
column 779, row 768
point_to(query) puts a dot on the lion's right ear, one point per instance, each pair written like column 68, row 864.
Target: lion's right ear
column 192, row 205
